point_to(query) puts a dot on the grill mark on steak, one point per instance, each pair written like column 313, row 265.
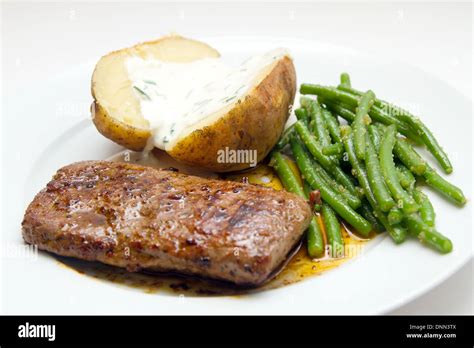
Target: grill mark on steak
column 142, row 218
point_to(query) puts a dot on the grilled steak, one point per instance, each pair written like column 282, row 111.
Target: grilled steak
column 160, row 220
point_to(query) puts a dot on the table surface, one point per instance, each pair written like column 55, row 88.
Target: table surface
column 436, row 37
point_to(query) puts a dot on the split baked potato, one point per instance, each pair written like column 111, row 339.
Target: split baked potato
column 254, row 121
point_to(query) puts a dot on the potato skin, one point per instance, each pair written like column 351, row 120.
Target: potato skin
column 255, row 123
column 131, row 137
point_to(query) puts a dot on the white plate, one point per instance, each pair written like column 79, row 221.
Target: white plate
column 50, row 131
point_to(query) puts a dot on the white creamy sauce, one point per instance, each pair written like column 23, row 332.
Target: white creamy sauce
column 175, row 96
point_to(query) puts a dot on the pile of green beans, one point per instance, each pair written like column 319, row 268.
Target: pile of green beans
column 365, row 167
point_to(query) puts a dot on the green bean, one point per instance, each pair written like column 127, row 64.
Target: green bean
column 312, row 127
column 309, row 121
column 291, row 184
column 339, row 109
column 374, row 136
column 395, row 216
column 444, row 187
column 376, row 179
column 396, row 232
column 416, row 124
column 390, row 174
column 285, row 138
column 287, row 176
column 427, row 212
column 345, row 79
column 305, row 101
column 426, row 234
column 436, row 240
column 331, row 95
column 333, row 126
column 349, row 89
column 381, row 107
column 354, row 91
column 316, row 150
column 333, row 231
column 334, row 199
column 360, row 123
column 314, row 238
column 333, row 149
column 405, row 176
column 345, row 112
column 301, row 114
column 316, row 115
column 428, row 139
column 378, row 115
column 313, row 145
column 358, row 168
column 350, row 198
column 345, row 180
column 409, row 157
column 367, row 212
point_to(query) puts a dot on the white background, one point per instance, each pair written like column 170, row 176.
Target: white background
column 40, row 40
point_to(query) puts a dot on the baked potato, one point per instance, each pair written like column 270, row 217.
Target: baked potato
column 252, row 120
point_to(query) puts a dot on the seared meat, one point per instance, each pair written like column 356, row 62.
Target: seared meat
column 142, row 218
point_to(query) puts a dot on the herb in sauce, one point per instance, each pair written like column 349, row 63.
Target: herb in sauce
column 143, row 94
column 238, row 90
column 225, row 100
column 201, row 103
column 189, row 94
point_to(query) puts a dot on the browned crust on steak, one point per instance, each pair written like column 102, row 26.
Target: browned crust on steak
column 142, row 218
